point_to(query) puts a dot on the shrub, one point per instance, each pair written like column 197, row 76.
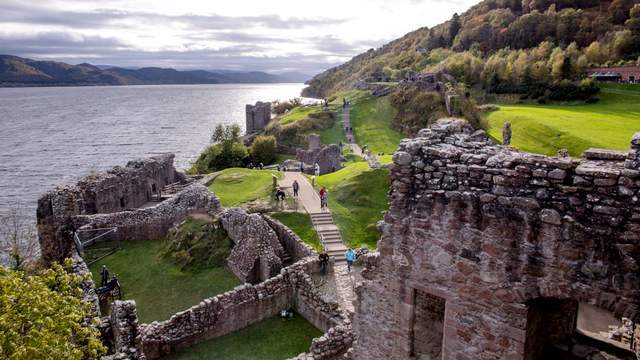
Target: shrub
column 227, row 151
column 416, row 108
column 43, row 316
column 197, row 244
column 264, row 149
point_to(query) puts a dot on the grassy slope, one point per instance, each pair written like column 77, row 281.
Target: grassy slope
column 271, row 339
column 371, row 121
column 298, row 113
column 301, row 225
column 237, row 186
column 609, row 123
column 159, row 287
column 357, row 198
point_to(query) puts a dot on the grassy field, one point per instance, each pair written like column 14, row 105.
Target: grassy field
column 271, row 339
column 298, row 113
column 544, row 129
column 357, row 198
column 301, row 225
column 237, row 186
column 371, row 121
column 158, row 286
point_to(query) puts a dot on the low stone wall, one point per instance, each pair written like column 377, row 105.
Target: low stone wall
column 217, row 316
column 244, row 306
column 290, row 241
column 151, row 223
column 309, row 302
column 334, row 342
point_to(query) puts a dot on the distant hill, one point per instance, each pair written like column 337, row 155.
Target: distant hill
column 501, row 44
column 17, row 71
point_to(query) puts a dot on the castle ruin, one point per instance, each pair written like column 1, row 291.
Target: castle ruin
column 488, row 253
column 257, row 116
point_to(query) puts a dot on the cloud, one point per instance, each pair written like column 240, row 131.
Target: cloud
column 28, row 13
column 74, row 49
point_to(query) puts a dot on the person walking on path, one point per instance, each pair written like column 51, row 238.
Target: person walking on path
column 350, row 255
column 296, row 188
column 316, row 169
column 323, row 197
column 324, row 262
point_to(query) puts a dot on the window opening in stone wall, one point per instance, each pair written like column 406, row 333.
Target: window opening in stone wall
column 605, row 331
column 566, row 329
column 428, row 326
column 122, row 203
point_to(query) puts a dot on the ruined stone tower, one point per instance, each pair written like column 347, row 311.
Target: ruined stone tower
column 258, row 116
column 487, row 253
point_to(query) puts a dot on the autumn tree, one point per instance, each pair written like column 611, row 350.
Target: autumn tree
column 42, row 316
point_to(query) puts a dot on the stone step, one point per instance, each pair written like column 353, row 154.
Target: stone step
column 332, row 239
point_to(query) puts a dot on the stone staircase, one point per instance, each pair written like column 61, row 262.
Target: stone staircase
column 329, row 235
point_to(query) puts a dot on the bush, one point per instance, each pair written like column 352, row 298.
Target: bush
column 43, row 316
column 227, row 151
column 197, row 244
column 416, row 108
column 219, row 157
column 264, row 150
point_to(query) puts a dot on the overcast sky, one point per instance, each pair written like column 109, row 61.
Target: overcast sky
column 265, row 35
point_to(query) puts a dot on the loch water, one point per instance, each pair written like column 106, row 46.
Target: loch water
column 51, row 136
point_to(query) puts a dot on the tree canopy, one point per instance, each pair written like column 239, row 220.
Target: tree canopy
column 42, row 316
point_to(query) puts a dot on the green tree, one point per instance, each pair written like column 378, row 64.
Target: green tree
column 226, row 151
column 264, row 149
column 42, row 316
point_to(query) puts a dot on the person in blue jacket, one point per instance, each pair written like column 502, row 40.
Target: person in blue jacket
column 350, row 255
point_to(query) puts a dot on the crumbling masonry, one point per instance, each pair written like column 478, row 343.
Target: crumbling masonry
column 486, row 252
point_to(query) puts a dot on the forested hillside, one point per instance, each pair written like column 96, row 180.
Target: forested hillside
column 514, row 46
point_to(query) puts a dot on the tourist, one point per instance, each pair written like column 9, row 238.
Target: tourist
column 316, row 169
column 301, row 167
column 261, row 166
column 350, row 255
column 296, row 187
column 323, row 197
column 104, row 275
column 280, row 195
column 324, row 261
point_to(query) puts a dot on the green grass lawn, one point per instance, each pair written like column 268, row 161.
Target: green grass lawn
column 237, row 186
column 544, row 129
column 158, row 286
column 270, row 339
column 298, row 113
column 301, row 224
column 371, row 121
column 357, row 198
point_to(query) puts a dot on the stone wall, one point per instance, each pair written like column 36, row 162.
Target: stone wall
column 246, row 305
column 329, row 158
column 217, row 316
column 291, row 242
column 491, row 231
column 257, row 253
column 258, row 116
column 118, row 189
column 150, row 223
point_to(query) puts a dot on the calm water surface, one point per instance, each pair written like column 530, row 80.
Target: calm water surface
column 51, row 136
